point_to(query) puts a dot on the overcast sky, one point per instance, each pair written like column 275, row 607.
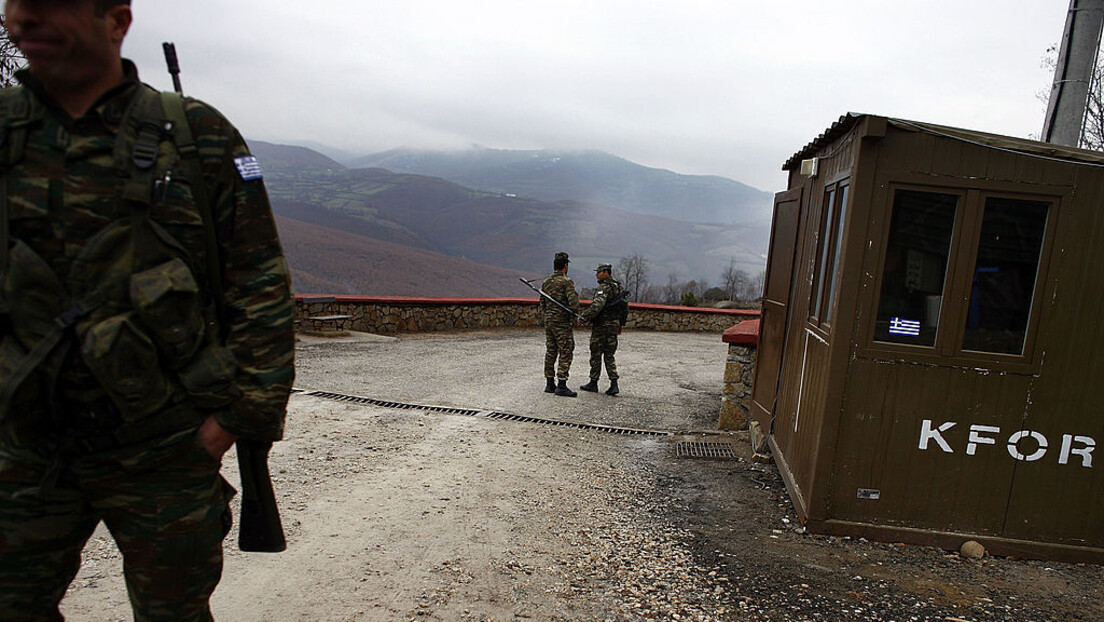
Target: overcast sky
column 723, row 87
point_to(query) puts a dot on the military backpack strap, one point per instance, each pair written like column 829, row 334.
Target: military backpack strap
column 173, row 104
column 15, row 115
column 152, row 116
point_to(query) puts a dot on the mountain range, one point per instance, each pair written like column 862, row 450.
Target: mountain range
column 398, row 222
column 590, row 177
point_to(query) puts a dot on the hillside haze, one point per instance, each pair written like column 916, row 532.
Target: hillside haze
column 585, row 176
column 324, row 260
column 467, row 241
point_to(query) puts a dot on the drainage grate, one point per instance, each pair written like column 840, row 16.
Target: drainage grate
column 367, row 400
column 694, row 449
column 355, row 399
column 580, row 426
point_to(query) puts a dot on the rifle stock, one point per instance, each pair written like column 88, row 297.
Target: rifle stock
column 259, row 529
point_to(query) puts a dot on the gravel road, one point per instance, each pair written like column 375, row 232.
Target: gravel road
column 494, row 514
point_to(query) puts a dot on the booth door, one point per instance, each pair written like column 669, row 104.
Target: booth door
column 776, row 301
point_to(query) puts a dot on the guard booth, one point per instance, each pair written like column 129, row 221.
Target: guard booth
column 931, row 357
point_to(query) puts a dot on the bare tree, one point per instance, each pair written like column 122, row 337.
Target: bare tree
column 754, row 289
column 634, row 274
column 672, row 291
column 734, row 281
column 654, row 293
column 11, row 60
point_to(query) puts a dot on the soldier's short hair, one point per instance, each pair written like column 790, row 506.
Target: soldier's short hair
column 560, row 261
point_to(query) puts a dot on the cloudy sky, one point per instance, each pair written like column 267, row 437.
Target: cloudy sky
column 718, row 87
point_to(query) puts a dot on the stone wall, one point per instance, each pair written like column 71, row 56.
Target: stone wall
column 391, row 314
column 742, row 340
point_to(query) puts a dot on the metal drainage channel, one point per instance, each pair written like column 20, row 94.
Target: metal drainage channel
column 489, row 414
column 695, row 449
column 579, row 426
column 367, row 400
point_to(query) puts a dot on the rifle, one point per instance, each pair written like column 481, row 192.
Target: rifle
column 259, row 529
column 545, row 294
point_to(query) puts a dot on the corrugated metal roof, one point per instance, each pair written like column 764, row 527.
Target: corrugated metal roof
column 1035, row 148
column 837, row 129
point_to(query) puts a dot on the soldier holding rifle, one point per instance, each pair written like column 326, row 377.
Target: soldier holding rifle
column 145, row 319
column 560, row 309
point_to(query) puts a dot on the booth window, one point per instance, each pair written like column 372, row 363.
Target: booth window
column 961, row 272
column 1004, row 275
column 915, row 271
column 826, row 285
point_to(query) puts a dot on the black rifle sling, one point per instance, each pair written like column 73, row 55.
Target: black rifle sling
column 173, row 104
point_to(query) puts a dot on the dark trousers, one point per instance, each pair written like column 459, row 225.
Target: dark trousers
column 164, row 503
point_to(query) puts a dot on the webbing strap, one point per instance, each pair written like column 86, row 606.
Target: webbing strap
column 30, row 362
column 15, row 111
column 173, row 104
column 5, row 233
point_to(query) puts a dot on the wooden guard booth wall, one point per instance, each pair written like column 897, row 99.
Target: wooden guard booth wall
column 930, row 366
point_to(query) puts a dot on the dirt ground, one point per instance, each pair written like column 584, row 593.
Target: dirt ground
column 492, row 513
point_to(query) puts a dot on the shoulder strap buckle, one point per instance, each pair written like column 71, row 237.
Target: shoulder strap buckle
column 146, row 145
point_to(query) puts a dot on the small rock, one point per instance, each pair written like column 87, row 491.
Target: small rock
column 972, row 549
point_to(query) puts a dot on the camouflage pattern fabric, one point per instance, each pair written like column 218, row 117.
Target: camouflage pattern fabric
column 166, row 508
column 559, row 343
column 254, row 274
column 606, row 326
column 559, row 325
column 603, row 346
column 73, row 464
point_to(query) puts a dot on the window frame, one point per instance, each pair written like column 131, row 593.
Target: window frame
column 831, row 221
column 961, row 263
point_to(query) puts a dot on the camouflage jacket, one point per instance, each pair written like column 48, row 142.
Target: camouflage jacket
column 562, row 289
column 66, row 186
column 599, row 311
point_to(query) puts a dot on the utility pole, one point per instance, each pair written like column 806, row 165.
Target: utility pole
column 1065, row 114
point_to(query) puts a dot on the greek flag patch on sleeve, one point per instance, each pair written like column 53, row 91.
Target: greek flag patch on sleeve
column 249, row 168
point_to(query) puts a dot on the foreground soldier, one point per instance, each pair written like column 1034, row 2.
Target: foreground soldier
column 145, row 319
column 559, row 323
column 607, row 315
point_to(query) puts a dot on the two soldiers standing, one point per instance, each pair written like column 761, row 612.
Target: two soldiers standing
column 560, row 310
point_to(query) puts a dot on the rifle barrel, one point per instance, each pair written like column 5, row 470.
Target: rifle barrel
column 173, row 64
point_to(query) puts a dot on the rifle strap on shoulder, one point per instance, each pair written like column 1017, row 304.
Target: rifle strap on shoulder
column 173, row 104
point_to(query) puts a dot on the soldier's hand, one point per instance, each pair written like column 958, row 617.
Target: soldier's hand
column 216, row 440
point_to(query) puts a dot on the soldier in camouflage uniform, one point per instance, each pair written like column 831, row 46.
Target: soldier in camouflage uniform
column 145, row 319
column 559, row 323
column 607, row 316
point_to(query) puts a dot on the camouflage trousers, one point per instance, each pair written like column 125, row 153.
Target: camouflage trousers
column 164, row 503
column 559, row 344
column 603, row 345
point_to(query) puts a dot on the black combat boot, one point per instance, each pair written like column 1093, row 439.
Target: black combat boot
column 591, row 386
column 562, row 390
column 550, row 387
column 613, row 390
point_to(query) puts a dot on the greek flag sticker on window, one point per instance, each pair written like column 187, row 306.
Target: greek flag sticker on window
column 249, row 168
column 906, row 328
